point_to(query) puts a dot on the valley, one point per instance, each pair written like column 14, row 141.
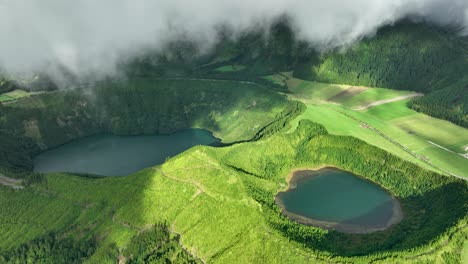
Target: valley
column 254, row 153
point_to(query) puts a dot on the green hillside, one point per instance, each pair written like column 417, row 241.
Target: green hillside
column 221, row 202
column 233, row 111
column 277, row 106
column 405, row 56
column 449, row 103
column 390, row 125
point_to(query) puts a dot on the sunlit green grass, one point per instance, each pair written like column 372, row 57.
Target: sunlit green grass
column 409, row 128
column 276, row 79
column 5, row 98
column 315, row 91
column 202, row 198
column 14, row 95
column 230, row 68
column 371, row 95
column 199, row 197
column 436, row 130
column 464, row 256
column 338, row 123
column 346, row 95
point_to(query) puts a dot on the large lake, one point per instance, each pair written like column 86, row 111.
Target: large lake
column 111, row 155
column 336, row 199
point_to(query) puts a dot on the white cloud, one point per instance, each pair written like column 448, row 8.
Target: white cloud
column 90, row 36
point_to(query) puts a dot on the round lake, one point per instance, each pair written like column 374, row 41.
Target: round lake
column 336, row 199
column 111, row 155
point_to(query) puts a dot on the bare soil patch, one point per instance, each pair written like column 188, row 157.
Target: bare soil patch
column 348, row 93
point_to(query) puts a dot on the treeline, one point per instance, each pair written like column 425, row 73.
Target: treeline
column 33, row 83
column 450, row 103
column 282, row 120
column 7, row 85
column 157, row 245
column 432, row 203
column 50, row 249
column 405, row 56
column 134, row 107
column 260, row 53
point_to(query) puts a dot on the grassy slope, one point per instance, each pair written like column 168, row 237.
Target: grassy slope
column 200, row 197
column 406, row 56
column 13, row 95
column 340, row 94
column 439, row 131
column 232, row 110
column 393, row 119
column 230, row 68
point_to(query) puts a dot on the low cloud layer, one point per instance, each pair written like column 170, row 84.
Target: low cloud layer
column 91, row 36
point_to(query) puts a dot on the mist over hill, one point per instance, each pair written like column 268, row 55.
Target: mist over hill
column 91, row 39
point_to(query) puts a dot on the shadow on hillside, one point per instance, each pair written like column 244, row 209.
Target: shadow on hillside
column 426, row 218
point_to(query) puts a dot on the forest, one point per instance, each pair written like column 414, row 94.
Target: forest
column 141, row 106
column 218, row 205
column 450, row 103
column 432, row 204
column 50, row 249
column 157, row 245
column 406, row 56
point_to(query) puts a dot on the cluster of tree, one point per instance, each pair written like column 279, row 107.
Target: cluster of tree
column 261, row 54
column 282, row 120
column 404, row 56
column 50, row 249
column 37, row 82
column 7, row 85
column 432, row 203
column 450, row 103
column 159, row 246
column 135, row 107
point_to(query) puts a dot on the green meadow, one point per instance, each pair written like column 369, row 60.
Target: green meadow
column 218, row 203
column 278, row 106
column 230, row 68
column 216, row 199
column 408, row 128
column 14, row 95
column 345, row 95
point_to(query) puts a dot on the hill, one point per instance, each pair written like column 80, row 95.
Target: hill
column 405, row 56
column 449, row 103
column 233, row 111
column 221, row 203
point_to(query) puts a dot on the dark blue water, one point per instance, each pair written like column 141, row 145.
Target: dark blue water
column 333, row 195
column 111, row 155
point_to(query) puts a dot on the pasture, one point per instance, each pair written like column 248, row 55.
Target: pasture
column 14, row 95
column 430, row 142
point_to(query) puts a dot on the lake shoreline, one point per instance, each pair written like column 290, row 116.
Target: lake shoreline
column 110, row 155
column 292, row 180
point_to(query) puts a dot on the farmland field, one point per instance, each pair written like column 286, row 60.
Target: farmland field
column 211, row 204
column 230, row 68
column 326, row 151
column 345, row 95
column 412, row 130
column 14, row 95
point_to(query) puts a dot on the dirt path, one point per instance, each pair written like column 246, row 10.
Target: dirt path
column 448, row 150
column 396, row 143
column 10, row 182
column 386, row 101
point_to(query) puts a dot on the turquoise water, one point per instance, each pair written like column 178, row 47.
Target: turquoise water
column 111, row 155
column 333, row 195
